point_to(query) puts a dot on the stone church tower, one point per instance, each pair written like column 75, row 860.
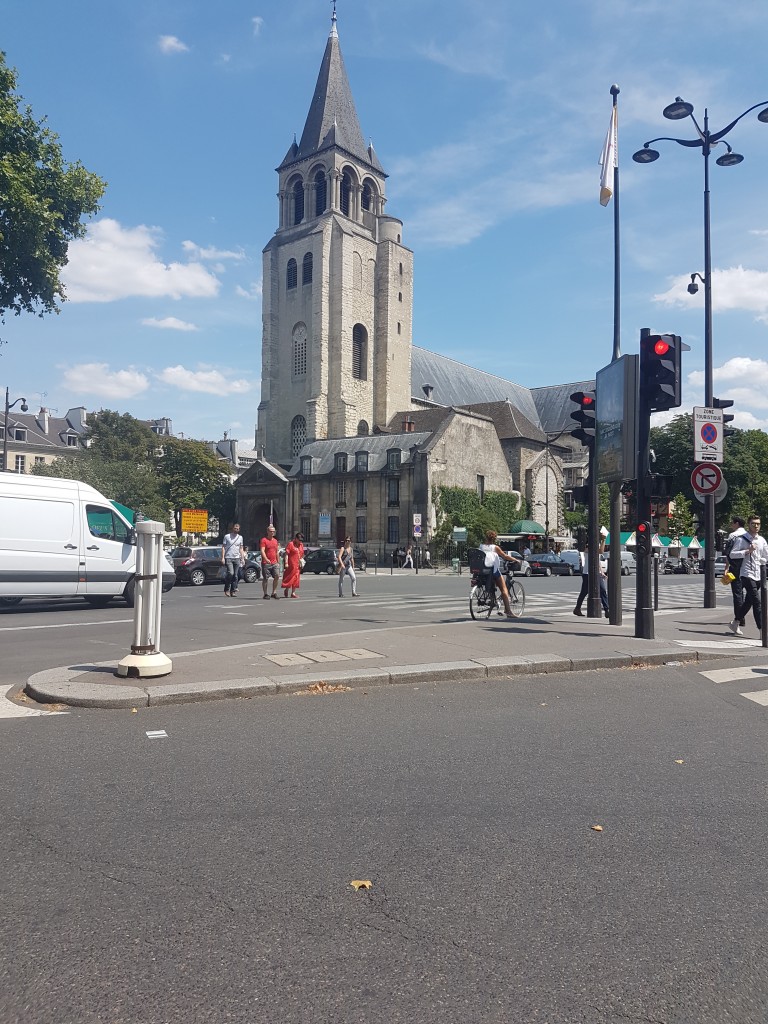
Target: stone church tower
column 338, row 285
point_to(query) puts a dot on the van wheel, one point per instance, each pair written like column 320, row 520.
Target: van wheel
column 9, row 602
column 99, row 600
column 625, row 571
column 129, row 594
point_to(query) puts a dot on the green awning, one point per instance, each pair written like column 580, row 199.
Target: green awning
column 129, row 514
column 527, row 526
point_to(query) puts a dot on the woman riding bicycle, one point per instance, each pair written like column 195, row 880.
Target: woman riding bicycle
column 493, row 556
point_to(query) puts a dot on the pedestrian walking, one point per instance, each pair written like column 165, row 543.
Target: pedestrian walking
column 755, row 554
column 735, row 554
column 270, row 549
column 584, row 559
column 346, row 558
column 232, row 558
column 294, row 556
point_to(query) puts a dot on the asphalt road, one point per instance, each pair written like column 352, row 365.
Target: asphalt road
column 205, row 875
column 37, row 635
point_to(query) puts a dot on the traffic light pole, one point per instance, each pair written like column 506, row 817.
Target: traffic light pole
column 644, row 600
column 594, row 607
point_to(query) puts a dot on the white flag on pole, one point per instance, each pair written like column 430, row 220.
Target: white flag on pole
column 609, row 159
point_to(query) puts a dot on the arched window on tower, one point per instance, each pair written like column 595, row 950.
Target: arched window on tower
column 299, row 350
column 359, row 352
column 298, row 202
column 367, row 196
column 291, row 274
column 321, row 193
column 306, row 268
column 346, row 192
column 362, row 429
column 298, row 434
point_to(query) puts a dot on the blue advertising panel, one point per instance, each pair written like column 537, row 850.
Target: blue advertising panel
column 616, row 389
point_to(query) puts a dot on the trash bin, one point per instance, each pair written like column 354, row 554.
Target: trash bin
column 455, row 565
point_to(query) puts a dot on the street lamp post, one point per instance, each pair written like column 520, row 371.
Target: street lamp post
column 8, row 406
column 706, row 140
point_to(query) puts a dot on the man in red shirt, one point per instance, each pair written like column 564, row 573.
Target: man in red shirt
column 269, row 553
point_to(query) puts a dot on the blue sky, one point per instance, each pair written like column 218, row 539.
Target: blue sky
column 489, row 117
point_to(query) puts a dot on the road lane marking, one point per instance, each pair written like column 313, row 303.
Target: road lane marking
column 758, row 696
column 157, row 734
column 61, row 625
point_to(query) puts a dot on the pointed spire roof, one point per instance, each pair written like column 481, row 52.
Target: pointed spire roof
column 332, row 118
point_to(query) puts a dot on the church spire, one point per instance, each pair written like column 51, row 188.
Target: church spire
column 332, row 111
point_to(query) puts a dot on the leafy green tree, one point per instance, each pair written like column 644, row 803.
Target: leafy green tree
column 681, row 518
column 121, row 438
column 673, row 447
column 42, row 202
column 221, row 503
column 189, row 472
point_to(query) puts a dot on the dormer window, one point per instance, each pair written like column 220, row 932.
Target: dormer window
column 361, row 462
column 71, row 441
column 19, row 433
column 340, row 462
column 306, row 465
column 393, row 459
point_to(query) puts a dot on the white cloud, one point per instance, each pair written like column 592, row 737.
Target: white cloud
column 171, row 44
column 113, row 262
column 169, row 323
column 205, row 379
column 734, row 288
column 745, row 382
column 210, row 253
column 258, row 24
column 98, row 379
column 253, row 292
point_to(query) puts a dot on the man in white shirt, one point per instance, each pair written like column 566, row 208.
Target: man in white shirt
column 735, row 554
column 755, row 554
column 232, row 558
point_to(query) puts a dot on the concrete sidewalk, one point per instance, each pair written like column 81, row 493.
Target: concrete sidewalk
column 397, row 653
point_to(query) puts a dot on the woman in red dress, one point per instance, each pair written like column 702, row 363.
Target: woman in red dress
column 294, row 552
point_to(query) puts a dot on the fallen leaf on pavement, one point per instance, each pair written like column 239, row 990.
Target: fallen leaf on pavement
column 680, row 761
column 596, row 828
column 361, row 884
column 315, row 688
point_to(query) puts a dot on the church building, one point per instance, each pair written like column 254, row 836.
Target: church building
column 357, row 427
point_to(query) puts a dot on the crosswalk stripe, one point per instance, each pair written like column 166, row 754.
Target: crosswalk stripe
column 731, row 675
column 758, row 696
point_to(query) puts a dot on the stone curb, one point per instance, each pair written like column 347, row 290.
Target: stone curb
column 61, row 686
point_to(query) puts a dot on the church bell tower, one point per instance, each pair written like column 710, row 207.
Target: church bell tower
column 337, row 286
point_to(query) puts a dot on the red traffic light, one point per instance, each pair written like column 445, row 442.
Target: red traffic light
column 587, row 400
column 642, row 527
column 661, row 347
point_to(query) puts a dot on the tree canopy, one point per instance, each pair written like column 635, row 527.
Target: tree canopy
column 42, row 202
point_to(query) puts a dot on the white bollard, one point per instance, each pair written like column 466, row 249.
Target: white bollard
column 146, row 658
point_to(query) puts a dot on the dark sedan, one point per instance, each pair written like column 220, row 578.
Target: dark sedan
column 324, row 560
column 197, row 565
column 550, row 565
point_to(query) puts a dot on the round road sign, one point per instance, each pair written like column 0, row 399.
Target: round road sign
column 708, row 433
column 706, row 479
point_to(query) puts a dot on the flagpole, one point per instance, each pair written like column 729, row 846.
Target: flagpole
column 614, row 565
column 616, row 238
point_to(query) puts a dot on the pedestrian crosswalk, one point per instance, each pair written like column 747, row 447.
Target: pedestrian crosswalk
column 749, row 676
column 456, row 606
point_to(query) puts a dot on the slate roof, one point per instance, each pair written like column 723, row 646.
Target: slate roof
column 554, row 404
column 377, row 445
column 456, row 384
column 332, row 118
column 58, row 428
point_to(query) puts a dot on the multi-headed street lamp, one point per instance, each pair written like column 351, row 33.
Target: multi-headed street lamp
column 706, row 140
column 8, row 406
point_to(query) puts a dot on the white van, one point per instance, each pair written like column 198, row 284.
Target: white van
column 61, row 538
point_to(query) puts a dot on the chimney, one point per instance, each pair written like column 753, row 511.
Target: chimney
column 42, row 419
column 408, row 425
column 428, row 389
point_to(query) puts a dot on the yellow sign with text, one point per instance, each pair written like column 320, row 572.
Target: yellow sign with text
column 194, row 520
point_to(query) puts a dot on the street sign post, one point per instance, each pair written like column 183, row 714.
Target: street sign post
column 707, row 435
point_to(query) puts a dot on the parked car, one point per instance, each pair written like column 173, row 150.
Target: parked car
column 721, row 564
column 573, row 558
column 550, row 564
column 628, row 563
column 197, row 565
column 324, row 560
column 251, row 571
column 522, row 567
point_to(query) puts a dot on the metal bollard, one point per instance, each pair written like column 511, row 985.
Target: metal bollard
column 763, row 610
column 655, row 581
column 146, row 658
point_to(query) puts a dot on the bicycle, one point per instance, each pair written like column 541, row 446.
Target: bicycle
column 484, row 599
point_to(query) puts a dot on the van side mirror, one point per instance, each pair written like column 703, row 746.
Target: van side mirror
column 132, row 536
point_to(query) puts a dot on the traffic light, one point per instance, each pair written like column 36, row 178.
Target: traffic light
column 581, row 538
column 580, row 495
column 585, row 417
column 660, row 370
column 725, row 403
column 643, row 539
